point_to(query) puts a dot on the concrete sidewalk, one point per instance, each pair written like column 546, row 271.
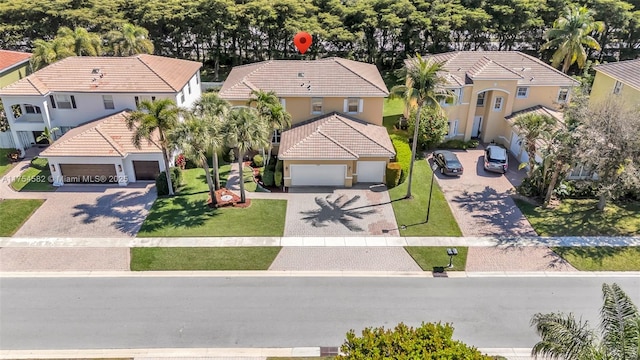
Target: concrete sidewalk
column 319, row 241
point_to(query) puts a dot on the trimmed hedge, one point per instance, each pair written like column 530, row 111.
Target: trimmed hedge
column 258, row 161
column 459, row 144
column 403, row 155
column 161, row 181
column 394, row 172
column 268, row 177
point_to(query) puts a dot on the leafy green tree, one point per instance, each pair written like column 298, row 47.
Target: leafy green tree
column 244, row 130
column 424, row 86
column 48, row 52
column 212, row 109
column 533, row 128
column 429, row 341
column 571, row 32
column 81, row 41
column 152, row 122
column 434, row 126
column 564, row 337
column 512, row 19
column 4, row 122
column 130, row 40
column 615, row 16
column 195, row 137
column 271, row 112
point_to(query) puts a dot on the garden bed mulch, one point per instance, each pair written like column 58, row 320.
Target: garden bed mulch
column 225, row 197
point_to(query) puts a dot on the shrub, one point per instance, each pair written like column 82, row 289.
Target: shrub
column 258, row 161
column 176, row 174
column 577, row 189
column 279, row 165
column 161, row 182
column 433, row 127
column 14, row 155
column 268, row 177
column 472, row 144
column 278, row 178
column 181, row 161
column 394, row 171
column 403, row 155
column 459, row 144
column 229, row 155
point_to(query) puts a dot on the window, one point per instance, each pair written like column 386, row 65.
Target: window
column 198, row 78
column 32, row 109
column 353, row 105
column 563, row 95
column 189, row 87
column 617, row 87
column 480, row 102
column 107, row 100
column 283, row 102
column 64, row 129
column 497, row 104
column 523, row 92
column 182, row 98
column 153, row 98
column 316, row 105
column 275, row 139
column 454, row 98
column 65, row 101
column 452, row 128
column 137, row 100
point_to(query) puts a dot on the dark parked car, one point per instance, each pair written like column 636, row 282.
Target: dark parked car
column 448, row 162
column 496, row 159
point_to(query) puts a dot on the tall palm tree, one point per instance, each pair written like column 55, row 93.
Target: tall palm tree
column 534, row 127
column 571, row 32
column 244, row 130
column 565, row 338
column 271, row 111
column 211, row 108
column 48, row 52
column 130, row 40
column 82, row 42
column 194, row 137
column 423, row 87
column 159, row 116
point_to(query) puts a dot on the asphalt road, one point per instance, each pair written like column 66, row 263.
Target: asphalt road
column 135, row 312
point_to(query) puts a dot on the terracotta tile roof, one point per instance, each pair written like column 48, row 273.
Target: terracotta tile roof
column 335, row 136
column 9, row 59
column 140, row 73
column 540, row 110
column 488, row 65
column 105, row 137
column 627, row 72
column 300, row 78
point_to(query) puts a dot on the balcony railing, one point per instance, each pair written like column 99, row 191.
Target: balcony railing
column 30, row 118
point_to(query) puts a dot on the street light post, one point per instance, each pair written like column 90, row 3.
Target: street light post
column 433, row 171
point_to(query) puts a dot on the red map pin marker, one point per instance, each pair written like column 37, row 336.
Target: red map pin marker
column 302, row 40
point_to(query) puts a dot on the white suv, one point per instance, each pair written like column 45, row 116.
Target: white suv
column 496, row 159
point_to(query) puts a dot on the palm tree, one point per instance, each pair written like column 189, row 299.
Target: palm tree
column 47, row 134
column 534, row 127
column 159, row 116
column 82, row 42
column 211, row 108
column 565, row 338
column 570, row 33
column 423, row 87
column 130, row 40
column 244, row 130
column 194, row 137
column 271, row 111
column 48, row 52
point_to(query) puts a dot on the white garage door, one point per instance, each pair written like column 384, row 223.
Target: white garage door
column 318, row 175
column 371, row 171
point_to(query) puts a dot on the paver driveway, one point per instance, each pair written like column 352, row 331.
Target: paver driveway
column 358, row 211
column 481, row 201
column 91, row 210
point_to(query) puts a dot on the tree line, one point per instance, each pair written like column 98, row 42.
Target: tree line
column 384, row 32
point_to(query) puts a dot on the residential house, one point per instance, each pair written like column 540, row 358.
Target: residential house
column 336, row 106
column 619, row 78
column 491, row 86
column 14, row 65
column 91, row 95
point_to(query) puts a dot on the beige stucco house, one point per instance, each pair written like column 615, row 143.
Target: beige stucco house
column 619, row 78
column 336, row 106
column 490, row 86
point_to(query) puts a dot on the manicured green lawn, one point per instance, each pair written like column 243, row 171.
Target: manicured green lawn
column 580, row 218
column 601, row 258
column 194, row 180
column 35, row 178
column 429, row 257
column 393, row 109
column 15, row 213
column 413, row 212
column 203, row 258
column 5, row 164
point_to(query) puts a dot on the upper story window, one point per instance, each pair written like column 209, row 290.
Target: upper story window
column 198, row 78
column 353, row 105
column 283, row 102
column 275, row 138
column 316, row 105
column 523, row 92
column 189, row 87
column 63, row 101
column 32, row 109
column 455, row 97
column 563, row 95
column 617, row 87
column 107, row 100
column 497, row 103
column 182, row 97
column 481, row 97
column 139, row 99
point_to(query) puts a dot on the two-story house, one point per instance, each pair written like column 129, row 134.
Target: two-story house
column 14, row 65
column 336, row 106
column 620, row 78
column 87, row 99
column 492, row 86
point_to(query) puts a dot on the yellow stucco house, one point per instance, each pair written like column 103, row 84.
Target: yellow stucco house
column 14, row 65
column 491, row 86
column 336, row 106
column 620, row 78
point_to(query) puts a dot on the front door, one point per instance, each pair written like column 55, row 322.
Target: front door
column 477, row 123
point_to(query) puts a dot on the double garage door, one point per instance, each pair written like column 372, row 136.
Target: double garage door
column 334, row 175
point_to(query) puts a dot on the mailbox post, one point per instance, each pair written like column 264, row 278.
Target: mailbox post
column 451, row 252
